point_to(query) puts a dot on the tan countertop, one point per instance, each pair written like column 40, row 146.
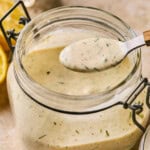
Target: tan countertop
column 133, row 12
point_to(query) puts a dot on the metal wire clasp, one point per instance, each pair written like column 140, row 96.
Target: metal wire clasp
column 137, row 108
column 11, row 34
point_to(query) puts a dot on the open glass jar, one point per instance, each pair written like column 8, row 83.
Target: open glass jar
column 144, row 145
column 95, row 111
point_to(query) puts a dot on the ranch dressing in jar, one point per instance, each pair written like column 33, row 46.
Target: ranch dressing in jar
column 47, row 98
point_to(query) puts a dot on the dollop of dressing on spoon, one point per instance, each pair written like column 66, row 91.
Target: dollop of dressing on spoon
column 92, row 54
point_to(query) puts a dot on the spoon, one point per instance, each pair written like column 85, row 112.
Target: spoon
column 96, row 54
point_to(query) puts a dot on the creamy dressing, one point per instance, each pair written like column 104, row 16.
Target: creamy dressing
column 92, row 54
column 43, row 66
column 43, row 129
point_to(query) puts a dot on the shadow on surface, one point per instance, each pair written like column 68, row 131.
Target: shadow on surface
column 4, row 102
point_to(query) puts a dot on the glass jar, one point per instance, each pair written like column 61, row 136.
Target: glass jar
column 144, row 145
column 48, row 119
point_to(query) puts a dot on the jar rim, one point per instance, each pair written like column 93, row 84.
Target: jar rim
column 22, row 75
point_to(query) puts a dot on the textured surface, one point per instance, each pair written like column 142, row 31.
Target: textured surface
column 135, row 13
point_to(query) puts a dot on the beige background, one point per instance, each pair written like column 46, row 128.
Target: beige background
column 133, row 12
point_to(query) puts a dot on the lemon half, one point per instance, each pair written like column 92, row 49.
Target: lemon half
column 3, row 65
column 11, row 22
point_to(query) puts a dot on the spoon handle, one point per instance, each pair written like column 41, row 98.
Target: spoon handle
column 147, row 37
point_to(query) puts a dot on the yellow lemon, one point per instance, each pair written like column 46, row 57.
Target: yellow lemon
column 3, row 65
column 11, row 22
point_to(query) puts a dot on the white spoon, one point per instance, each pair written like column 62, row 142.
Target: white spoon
column 99, row 53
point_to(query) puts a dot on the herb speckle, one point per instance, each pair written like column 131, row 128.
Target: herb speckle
column 119, row 39
column 77, row 131
column 61, row 82
column 101, row 130
column 37, row 36
column 95, row 69
column 130, row 115
column 54, row 123
column 42, row 136
column 107, row 44
column 107, row 133
column 86, row 68
column 139, row 103
column 48, row 72
column 35, row 30
column 141, row 116
column 40, row 116
column 105, row 60
column 130, row 124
